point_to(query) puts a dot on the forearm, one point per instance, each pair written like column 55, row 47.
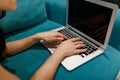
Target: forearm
column 20, row 45
column 48, row 69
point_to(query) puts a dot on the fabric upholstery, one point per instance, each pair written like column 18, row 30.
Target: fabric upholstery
column 56, row 10
column 115, row 36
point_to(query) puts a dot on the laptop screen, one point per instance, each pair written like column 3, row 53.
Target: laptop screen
column 91, row 19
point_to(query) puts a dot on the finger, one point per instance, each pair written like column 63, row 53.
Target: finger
column 75, row 39
column 80, row 51
column 60, row 35
column 80, row 46
column 78, row 42
column 58, row 39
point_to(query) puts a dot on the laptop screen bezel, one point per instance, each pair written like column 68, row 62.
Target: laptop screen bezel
column 112, row 6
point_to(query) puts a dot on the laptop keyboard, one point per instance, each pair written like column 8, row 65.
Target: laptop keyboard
column 90, row 48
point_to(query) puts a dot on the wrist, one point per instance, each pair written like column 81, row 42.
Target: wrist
column 40, row 36
column 60, row 54
column 35, row 38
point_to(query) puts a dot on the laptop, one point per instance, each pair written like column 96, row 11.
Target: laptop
column 92, row 21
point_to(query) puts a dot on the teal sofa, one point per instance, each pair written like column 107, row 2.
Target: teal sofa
column 115, row 36
column 36, row 16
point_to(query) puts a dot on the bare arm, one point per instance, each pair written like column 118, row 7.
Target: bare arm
column 20, row 45
column 41, row 74
column 49, row 68
column 46, row 71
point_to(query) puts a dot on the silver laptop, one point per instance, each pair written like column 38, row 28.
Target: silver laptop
column 92, row 22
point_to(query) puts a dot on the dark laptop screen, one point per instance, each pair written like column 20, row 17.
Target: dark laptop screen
column 91, row 19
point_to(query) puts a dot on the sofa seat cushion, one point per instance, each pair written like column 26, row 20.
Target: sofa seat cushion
column 29, row 60
column 28, row 12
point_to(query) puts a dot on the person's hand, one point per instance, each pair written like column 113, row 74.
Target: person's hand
column 70, row 47
column 51, row 36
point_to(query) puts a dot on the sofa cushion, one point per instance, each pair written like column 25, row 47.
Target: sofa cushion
column 28, row 12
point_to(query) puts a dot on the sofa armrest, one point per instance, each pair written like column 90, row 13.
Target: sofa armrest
column 56, row 10
column 115, row 36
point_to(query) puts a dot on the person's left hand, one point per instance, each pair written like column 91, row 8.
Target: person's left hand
column 51, row 36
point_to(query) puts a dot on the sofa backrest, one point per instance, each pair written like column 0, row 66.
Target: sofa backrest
column 29, row 12
column 115, row 36
column 56, row 10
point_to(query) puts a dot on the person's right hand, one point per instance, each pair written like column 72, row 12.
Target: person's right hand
column 70, row 47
